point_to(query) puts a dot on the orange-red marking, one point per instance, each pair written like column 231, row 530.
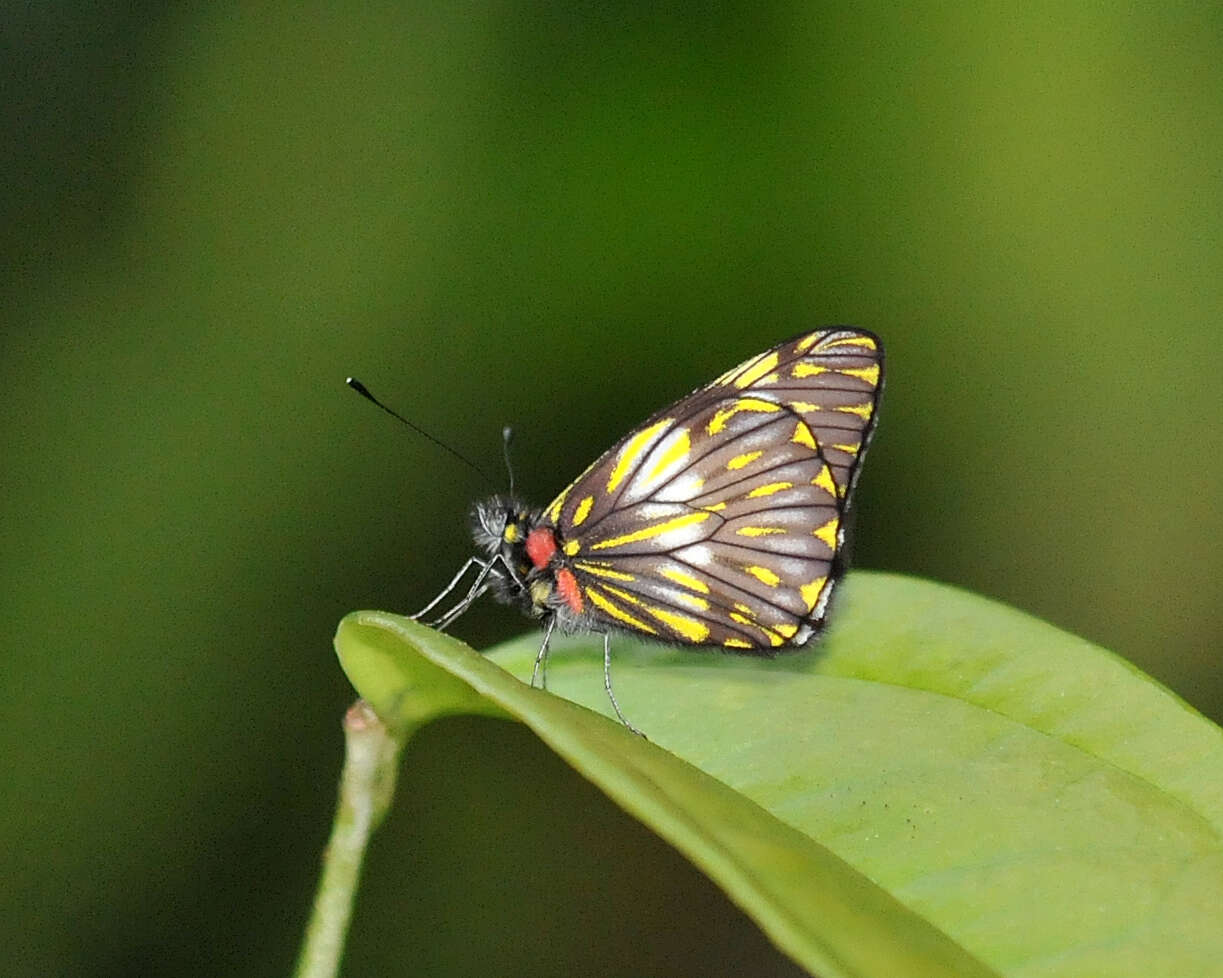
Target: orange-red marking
column 567, row 587
column 541, row 545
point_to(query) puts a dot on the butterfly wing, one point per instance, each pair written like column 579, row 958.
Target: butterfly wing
column 720, row 520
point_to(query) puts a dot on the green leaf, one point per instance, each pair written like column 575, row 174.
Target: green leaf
column 941, row 781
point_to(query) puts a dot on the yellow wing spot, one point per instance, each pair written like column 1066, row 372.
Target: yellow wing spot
column 722, row 415
column 763, row 574
column 622, row 594
column 770, row 634
column 700, row 604
column 828, row 533
column 740, row 606
column 824, row 481
column 736, row 643
column 732, row 375
column 808, row 341
column 714, row 507
column 759, row 531
column 617, row 612
column 802, row 407
column 599, row 571
column 770, row 488
column 646, row 532
column 741, row 460
column 553, row 512
column 583, row 510
column 811, row 592
column 803, row 435
column 572, row 547
column 687, row 580
column 862, row 410
column 855, row 340
column 848, row 449
column 786, row 631
column 510, row 533
column 677, row 450
column 802, row 370
column 756, row 369
column 869, row 374
column 689, row 628
column 633, row 451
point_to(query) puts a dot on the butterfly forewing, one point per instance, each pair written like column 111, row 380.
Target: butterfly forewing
column 719, row 520
column 832, row 377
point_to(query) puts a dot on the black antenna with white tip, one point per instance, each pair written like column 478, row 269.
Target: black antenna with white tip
column 361, row 389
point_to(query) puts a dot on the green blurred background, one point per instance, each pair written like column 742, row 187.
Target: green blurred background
column 560, row 217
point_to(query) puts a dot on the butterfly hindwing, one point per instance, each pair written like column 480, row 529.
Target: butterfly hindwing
column 720, row 519
column 741, row 560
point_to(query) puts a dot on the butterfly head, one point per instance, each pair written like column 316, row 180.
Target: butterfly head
column 526, row 567
column 500, row 524
column 500, row 527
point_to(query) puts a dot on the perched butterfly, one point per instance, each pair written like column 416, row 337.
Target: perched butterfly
column 720, row 521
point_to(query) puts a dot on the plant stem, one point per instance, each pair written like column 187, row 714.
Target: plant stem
column 367, row 783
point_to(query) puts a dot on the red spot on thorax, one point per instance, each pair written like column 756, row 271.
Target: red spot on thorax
column 541, row 545
column 567, row 586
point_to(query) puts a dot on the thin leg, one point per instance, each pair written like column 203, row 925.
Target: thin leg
column 607, row 684
column 541, row 661
column 477, row 588
column 447, row 589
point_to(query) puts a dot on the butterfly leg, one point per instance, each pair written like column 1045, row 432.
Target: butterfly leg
column 540, row 671
column 448, row 589
column 477, row 588
column 607, row 684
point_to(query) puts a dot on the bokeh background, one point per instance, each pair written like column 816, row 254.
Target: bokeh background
column 559, row 217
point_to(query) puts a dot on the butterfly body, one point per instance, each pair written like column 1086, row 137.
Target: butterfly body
column 720, row 521
column 518, row 554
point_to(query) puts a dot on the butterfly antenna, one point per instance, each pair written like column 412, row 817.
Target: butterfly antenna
column 507, row 436
column 361, row 389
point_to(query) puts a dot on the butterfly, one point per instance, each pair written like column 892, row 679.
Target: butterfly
column 719, row 521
